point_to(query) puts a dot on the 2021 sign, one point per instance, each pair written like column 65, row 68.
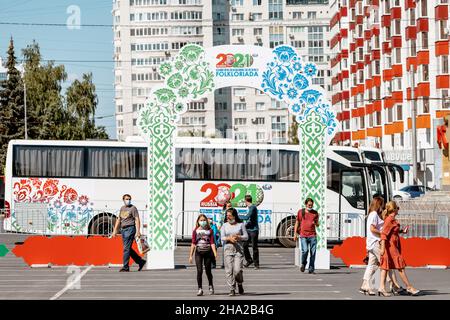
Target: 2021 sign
column 237, row 60
column 219, row 194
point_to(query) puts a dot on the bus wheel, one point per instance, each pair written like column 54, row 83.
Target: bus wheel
column 285, row 233
column 102, row 224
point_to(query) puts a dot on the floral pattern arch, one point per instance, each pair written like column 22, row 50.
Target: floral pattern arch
column 190, row 76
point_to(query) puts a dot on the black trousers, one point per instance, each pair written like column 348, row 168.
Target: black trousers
column 253, row 240
column 204, row 258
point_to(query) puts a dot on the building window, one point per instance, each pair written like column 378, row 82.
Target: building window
column 260, row 106
column 399, row 112
column 275, row 36
column 426, row 104
column 275, row 9
column 260, row 136
column 297, row 15
column 237, row 17
column 237, row 32
column 259, row 120
column 257, row 31
column 240, row 121
column 240, row 106
column 312, row 15
column 240, row 136
column 239, row 92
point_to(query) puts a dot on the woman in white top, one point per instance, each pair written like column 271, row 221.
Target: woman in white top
column 374, row 227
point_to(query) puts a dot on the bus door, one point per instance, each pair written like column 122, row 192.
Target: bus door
column 353, row 199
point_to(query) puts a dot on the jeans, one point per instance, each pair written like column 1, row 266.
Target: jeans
column 311, row 243
column 128, row 238
column 204, row 258
column 253, row 239
column 233, row 266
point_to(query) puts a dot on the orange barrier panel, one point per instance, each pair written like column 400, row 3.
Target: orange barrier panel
column 417, row 252
column 66, row 250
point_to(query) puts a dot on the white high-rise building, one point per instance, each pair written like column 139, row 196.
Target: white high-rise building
column 147, row 32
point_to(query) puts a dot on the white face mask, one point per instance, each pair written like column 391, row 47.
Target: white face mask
column 127, row 202
column 231, row 221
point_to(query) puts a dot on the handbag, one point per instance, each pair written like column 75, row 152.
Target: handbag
column 142, row 244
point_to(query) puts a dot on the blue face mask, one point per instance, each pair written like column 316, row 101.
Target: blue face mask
column 127, row 202
column 202, row 223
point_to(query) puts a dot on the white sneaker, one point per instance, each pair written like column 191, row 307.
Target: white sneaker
column 200, row 292
column 211, row 290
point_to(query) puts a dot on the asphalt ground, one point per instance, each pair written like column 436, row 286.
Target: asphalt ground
column 277, row 279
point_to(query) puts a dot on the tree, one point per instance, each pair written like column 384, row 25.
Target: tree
column 293, row 132
column 11, row 106
column 45, row 104
column 81, row 105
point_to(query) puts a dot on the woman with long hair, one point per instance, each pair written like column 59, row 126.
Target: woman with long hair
column 390, row 250
column 374, row 225
column 234, row 233
column 203, row 245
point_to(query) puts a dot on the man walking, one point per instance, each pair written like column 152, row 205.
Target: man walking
column 252, row 230
column 305, row 225
column 130, row 225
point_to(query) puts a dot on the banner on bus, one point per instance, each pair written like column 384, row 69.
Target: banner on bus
column 210, row 197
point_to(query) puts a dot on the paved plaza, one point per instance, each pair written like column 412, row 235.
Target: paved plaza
column 277, row 279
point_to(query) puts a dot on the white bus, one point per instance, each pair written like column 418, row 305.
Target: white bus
column 76, row 187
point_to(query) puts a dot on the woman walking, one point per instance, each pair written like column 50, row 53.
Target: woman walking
column 390, row 250
column 205, row 249
column 374, row 227
column 233, row 233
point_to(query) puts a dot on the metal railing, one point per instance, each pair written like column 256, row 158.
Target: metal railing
column 278, row 226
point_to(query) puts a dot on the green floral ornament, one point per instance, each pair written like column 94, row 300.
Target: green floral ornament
column 165, row 69
column 191, row 52
column 165, row 95
column 179, row 65
column 183, row 92
column 175, row 81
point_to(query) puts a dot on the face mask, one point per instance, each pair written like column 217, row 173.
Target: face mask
column 202, row 223
column 231, row 221
column 127, row 202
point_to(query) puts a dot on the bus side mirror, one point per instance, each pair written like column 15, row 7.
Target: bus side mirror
column 394, row 177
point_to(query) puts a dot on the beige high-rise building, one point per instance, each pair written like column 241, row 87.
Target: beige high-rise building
column 147, row 32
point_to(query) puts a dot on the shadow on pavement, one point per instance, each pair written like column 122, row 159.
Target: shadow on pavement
column 254, row 294
column 429, row 293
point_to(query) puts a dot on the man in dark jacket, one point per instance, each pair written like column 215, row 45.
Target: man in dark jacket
column 252, row 230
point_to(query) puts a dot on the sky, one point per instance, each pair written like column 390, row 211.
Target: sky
column 81, row 49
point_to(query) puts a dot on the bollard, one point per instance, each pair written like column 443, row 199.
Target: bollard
column 2, row 218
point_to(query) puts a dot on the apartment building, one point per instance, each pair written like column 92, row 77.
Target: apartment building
column 380, row 49
column 147, row 32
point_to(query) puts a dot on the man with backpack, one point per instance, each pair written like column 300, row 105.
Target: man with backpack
column 305, row 226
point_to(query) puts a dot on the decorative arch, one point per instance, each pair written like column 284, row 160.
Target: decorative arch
column 196, row 72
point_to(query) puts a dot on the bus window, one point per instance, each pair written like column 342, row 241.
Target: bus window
column 353, row 188
column 45, row 161
column 142, row 163
column 372, row 156
column 334, row 174
column 189, row 164
column 349, row 155
column 288, row 166
column 111, row 162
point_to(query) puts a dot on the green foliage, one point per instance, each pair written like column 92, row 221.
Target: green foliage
column 50, row 115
